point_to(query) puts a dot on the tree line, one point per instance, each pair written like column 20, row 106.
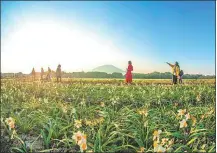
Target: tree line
column 154, row 75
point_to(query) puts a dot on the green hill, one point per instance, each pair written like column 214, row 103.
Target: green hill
column 107, row 69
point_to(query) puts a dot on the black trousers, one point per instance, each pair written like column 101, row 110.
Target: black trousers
column 174, row 79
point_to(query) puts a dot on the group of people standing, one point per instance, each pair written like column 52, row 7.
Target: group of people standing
column 177, row 73
column 48, row 76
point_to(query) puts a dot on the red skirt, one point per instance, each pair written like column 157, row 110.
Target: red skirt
column 129, row 77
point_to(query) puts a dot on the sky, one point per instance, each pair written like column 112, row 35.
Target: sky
column 86, row 34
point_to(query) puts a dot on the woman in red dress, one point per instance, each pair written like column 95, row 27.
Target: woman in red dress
column 129, row 74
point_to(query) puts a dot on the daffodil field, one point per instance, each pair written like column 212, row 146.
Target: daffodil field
column 90, row 115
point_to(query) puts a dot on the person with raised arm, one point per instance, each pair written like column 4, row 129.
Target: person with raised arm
column 175, row 71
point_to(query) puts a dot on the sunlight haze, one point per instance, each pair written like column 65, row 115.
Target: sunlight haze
column 83, row 35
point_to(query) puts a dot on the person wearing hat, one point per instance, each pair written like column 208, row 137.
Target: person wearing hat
column 175, row 71
column 58, row 73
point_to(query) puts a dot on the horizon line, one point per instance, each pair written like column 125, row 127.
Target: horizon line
column 114, row 72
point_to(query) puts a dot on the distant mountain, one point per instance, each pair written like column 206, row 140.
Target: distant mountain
column 108, row 69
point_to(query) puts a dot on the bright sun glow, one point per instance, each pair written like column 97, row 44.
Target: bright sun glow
column 48, row 43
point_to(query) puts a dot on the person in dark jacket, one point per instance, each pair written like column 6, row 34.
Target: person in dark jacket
column 181, row 76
